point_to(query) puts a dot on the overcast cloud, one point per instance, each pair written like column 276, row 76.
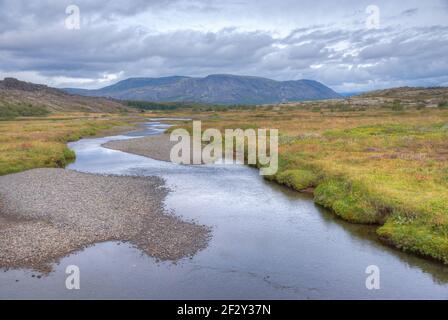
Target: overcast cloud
column 326, row 41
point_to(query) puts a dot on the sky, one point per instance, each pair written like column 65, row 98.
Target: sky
column 349, row 45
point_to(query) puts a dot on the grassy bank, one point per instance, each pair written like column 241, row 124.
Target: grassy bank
column 10, row 111
column 374, row 165
column 27, row 143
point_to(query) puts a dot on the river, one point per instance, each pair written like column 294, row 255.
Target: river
column 268, row 242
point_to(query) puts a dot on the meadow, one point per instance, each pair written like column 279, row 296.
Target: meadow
column 36, row 142
column 384, row 165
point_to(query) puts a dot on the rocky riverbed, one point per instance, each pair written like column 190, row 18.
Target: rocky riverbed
column 48, row 213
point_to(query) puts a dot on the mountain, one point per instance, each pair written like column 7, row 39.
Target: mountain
column 16, row 94
column 218, row 89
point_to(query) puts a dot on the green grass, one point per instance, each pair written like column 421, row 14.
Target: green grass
column 415, row 237
column 297, row 179
column 41, row 142
column 390, row 184
column 349, row 201
column 11, row 111
column 443, row 104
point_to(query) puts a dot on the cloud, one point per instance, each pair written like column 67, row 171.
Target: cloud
column 277, row 39
column 410, row 12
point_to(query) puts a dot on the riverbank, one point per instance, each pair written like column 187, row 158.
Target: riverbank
column 367, row 165
column 29, row 143
column 49, row 213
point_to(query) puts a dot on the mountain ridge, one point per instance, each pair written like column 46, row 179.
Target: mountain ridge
column 214, row 88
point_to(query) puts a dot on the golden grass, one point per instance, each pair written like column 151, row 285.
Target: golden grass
column 373, row 166
column 27, row 143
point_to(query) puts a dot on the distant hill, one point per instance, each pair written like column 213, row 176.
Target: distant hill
column 410, row 96
column 18, row 96
column 351, row 93
column 216, row 89
column 410, row 93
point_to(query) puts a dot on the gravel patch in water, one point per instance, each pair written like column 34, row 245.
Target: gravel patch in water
column 156, row 147
column 46, row 214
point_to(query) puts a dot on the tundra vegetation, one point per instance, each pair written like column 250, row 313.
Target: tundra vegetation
column 37, row 142
column 10, row 111
column 369, row 160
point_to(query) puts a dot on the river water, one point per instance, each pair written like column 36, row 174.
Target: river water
column 268, row 242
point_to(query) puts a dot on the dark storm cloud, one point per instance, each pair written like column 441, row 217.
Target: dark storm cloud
column 120, row 39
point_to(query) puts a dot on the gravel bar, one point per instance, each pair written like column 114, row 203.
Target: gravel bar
column 46, row 214
column 156, row 147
